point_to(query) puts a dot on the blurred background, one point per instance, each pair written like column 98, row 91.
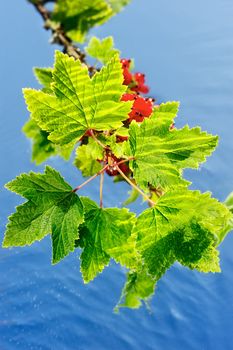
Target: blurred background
column 185, row 49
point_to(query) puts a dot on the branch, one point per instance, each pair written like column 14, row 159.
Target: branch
column 59, row 35
column 90, row 179
column 134, row 186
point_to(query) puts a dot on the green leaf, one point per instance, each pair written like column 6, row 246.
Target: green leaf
column 42, row 147
column 229, row 202
column 52, row 207
column 77, row 17
column 117, row 5
column 160, row 154
column 79, row 104
column 166, row 113
column 103, row 230
column 133, row 196
column 102, row 50
column 86, row 158
column 189, row 244
column 183, row 226
column 44, row 77
column 229, row 227
column 139, row 287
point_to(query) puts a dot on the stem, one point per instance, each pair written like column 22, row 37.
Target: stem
column 134, row 186
column 125, row 160
column 96, row 140
column 101, row 189
column 90, row 179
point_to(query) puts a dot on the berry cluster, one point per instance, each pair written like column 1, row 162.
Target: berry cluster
column 136, row 81
column 142, row 107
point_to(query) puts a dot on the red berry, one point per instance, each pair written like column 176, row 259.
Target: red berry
column 142, row 107
column 128, row 77
column 111, row 171
column 125, row 63
column 129, row 97
column 140, row 78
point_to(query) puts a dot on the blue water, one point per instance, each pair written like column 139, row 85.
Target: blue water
column 186, row 50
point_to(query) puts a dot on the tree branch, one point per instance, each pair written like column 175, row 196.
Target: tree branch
column 59, row 35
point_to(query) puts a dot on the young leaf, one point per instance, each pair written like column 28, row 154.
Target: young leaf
column 42, row 147
column 160, row 154
column 44, row 77
column 77, row 17
column 86, row 158
column 52, row 207
column 133, row 196
column 139, row 287
column 102, row 50
column 117, row 5
column 80, row 103
column 103, row 230
column 166, row 113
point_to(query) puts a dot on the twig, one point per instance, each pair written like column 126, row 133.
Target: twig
column 134, row 186
column 59, row 34
column 90, row 179
column 97, row 140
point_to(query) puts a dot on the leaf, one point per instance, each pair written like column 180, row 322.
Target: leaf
column 161, row 154
column 117, row 5
column 42, row 147
column 77, row 17
column 183, row 226
column 103, row 230
column 188, row 244
column 166, row 113
column 102, row 50
column 86, row 158
column 229, row 202
column 79, row 103
column 133, row 196
column 52, row 207
column 139, row 287
column 229, row 226
column 44, row 77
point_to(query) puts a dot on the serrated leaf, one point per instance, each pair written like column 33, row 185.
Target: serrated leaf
column 86, row 158
column 44, row 77
column 187, row 244
column 52, row 207
column 79, row 103
column 184, row 225
column 103, row 230
column 139, row 287
column 42, row 147
column 161, row 154
column 102, row 50
column 166, row 113
column 77, row 17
